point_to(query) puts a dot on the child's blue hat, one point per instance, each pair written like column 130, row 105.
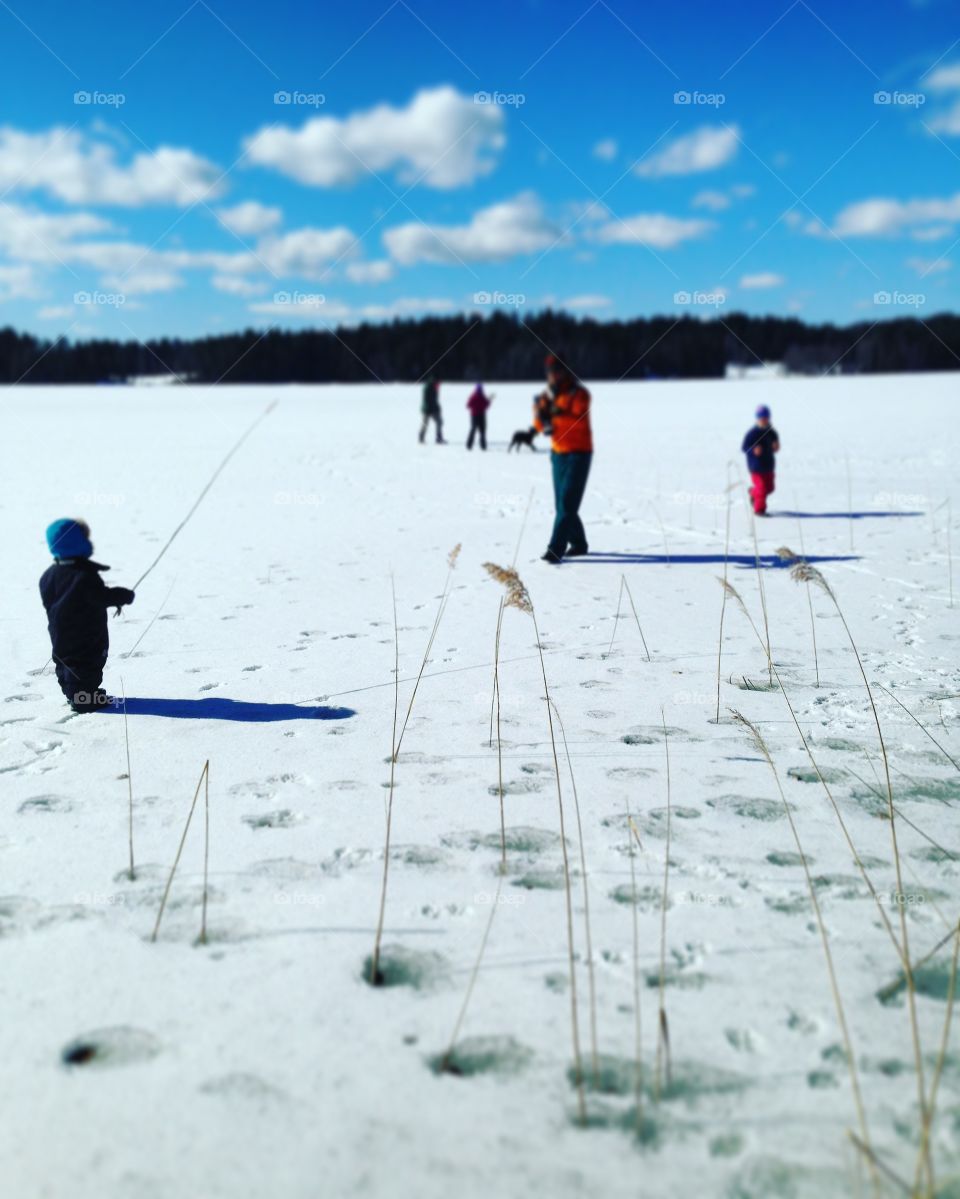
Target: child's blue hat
column 763, row 410
column 69, row 539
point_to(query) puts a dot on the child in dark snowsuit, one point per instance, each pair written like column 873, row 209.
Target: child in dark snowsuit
column 760, row 445
column 76, row 599
column 477, row 406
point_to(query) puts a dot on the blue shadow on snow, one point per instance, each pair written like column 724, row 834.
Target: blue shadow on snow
column 228, row 709
column 843, row 515
column 767, row 561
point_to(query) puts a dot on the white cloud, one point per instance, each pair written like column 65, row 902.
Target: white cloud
column 377, row 271
column 32, row 236
column 742, row 190
column 929, row 266
column 948, row 121
column 588, row 302
column 517, row 226
column 704, row 149
column 17, row 282
column 882, row 217
column 58, row 312
column 143, row 282
column 236, row 285
column 306, row 252
column 74, row 168
column 441, row 138
column 329, row 311
column 250, row 219
column 606, row 149
column 714, row 201
column 762, row 280
column 652, row 229
column 932, row 233
column 943, row 79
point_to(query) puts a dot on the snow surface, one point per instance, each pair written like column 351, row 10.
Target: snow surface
column 262, row 1063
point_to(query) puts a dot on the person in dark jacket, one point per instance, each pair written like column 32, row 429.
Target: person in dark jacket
column 76, row 599
column 477, row 406
column 430, row 408
column 760, row 445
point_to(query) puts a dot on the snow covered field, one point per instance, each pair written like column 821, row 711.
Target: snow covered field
column 262, row 1063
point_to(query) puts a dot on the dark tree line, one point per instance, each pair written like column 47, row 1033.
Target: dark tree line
column 501, row 346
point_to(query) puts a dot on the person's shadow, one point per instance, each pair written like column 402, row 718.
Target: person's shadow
column 214, row 708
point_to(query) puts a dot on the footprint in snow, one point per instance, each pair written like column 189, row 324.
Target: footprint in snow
column 109, row 1047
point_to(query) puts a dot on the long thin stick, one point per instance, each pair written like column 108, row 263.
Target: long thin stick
column 763, row 593
column 213, row 478
column 375, row 960
column 153, row 621
column 616, row 619
column 131, row 874
column 723, row 603
column 474, row 973
column 594, row 1054
column 451, row 564
column 206, row 853
column 663, row 1037
column 176, row 860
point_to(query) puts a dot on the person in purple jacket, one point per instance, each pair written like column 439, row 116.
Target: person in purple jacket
column 760, row 445
column 477, row 406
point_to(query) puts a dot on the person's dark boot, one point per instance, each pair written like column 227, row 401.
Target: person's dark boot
column 552, row 557
column 577, row 551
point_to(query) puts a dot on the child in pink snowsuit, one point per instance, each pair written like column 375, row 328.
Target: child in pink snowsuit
column 477, row 406
column 760, row 445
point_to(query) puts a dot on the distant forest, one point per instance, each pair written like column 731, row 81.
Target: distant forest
column 501, row 346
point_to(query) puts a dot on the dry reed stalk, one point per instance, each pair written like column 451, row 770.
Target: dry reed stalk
column 787, row 555
column 518, row 597
column 375, row 976
column 176, row 860
column 938, row 1070
column 839, row 815
column 625, row 586
column 638, row 1039
column 663, row 1034
column 803, row 572
column 761, row 745
column 471, row 983
column 451, row 566
column 953, row 761
column 591, row 981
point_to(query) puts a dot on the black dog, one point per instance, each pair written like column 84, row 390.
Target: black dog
column 523, row 437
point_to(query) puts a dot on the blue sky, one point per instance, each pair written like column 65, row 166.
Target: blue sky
column 189, row 168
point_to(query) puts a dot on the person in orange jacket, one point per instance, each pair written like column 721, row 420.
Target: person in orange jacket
column 563, row 411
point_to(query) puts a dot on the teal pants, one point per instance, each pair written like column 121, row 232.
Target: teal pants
column 569, row 483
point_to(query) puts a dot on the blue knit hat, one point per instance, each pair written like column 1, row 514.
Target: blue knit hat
column 763, row 411
column 68, row 539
